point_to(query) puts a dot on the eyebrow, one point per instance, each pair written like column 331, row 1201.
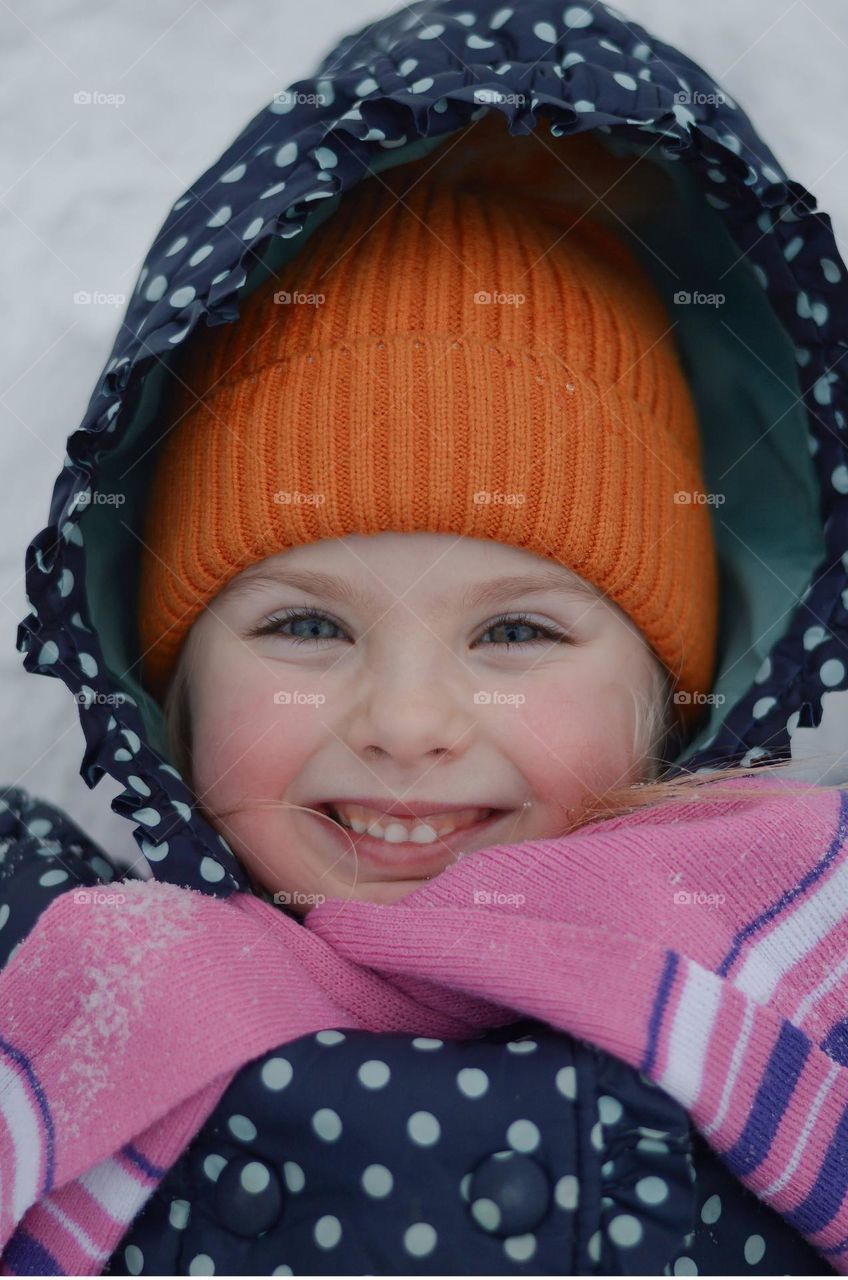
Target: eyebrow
column 493, row 592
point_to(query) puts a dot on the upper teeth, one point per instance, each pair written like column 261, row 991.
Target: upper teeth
column 394, row 831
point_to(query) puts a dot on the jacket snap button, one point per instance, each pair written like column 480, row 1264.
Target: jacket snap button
column 248, row 1196
column 509, row 1194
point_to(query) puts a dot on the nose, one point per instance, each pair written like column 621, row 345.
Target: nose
column 413, row 711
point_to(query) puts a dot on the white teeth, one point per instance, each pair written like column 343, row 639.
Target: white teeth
column 396, row 832
column 421, row 833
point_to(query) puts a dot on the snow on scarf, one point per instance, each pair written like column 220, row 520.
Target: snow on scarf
column 705, row 943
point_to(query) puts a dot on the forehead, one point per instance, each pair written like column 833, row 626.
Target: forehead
column 444, row 569
column 451, row 557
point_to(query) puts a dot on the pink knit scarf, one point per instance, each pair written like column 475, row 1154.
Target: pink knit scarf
column 704, row 943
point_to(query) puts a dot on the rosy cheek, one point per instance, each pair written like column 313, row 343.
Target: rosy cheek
column 249, row 745
column 230, row 727
column 571, row 738
column 561, row 715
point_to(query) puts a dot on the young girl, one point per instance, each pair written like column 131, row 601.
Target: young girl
column 401, row 400
column 453, row 545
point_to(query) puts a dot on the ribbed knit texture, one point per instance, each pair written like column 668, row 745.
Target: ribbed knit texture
column 122, row 1023
column 402, row 397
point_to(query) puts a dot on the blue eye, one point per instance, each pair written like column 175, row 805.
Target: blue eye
column 314, row 619
column 274, row 625
column 515, row 622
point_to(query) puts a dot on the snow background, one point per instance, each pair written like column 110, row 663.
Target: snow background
column 86, row 188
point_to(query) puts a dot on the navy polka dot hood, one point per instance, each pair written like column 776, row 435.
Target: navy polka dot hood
column 766, row 366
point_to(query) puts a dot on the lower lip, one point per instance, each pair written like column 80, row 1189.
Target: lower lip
column 406, row 857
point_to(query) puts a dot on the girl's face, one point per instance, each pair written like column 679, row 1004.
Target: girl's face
column 403, row 683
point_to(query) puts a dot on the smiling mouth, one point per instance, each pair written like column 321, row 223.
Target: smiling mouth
column 405, row 859
column 415, row 831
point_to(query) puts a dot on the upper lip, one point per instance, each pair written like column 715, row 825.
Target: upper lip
column 405, row 809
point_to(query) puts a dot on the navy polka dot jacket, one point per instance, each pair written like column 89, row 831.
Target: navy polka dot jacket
column 577, row 1164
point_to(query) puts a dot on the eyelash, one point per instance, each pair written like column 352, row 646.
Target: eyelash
column 272, row 625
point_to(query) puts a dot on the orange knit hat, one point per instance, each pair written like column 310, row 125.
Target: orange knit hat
column 396, row 394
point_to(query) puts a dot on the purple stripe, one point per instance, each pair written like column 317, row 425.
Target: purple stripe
column 783, row 1070
column 24, row 1256
column 769, row 914
column 151, row 1171
column 826, row 1196
column 46, row 1119
column 657, row 1013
